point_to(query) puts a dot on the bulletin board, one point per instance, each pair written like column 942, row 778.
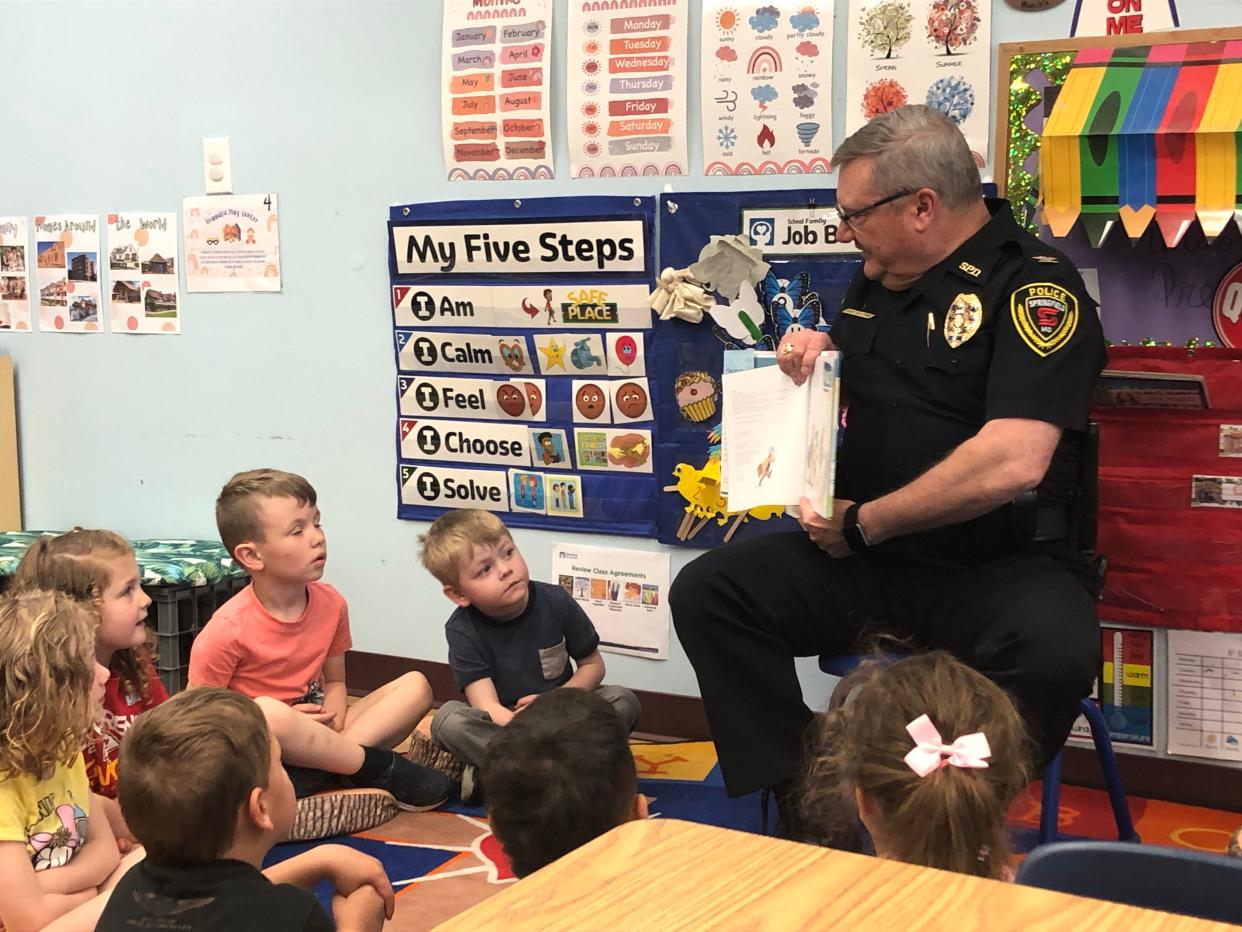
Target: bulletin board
column 521, row 331
column 796, row 231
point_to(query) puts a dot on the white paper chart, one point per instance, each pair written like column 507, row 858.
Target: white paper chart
column 67, row 273
column 1205, row 694
column 766, row 88
column 934, row 52
column 14, row 275
column 625, row 88
column 494, row 90
column 142, row 273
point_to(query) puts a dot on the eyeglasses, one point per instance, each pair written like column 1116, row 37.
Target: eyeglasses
column 851, row 217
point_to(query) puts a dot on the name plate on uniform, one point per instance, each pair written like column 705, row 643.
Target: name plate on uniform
column 505, row 444
column 454, row 488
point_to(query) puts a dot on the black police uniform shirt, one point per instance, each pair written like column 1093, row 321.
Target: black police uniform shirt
column 1002, row 328
column 525, row 656
column 219, row 896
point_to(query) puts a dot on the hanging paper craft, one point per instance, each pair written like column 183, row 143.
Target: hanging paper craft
column 67, row 250
column 1137, row 134
column 625, row 81
column 1122, row 17
column 495, row 90
column 142, row 273
column 232, row 242
column 514, row 321
column 766, row 88
column 14, row 275
column 933, row 52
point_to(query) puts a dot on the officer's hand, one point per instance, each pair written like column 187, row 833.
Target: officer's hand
column 825, row 532
column 797, row 351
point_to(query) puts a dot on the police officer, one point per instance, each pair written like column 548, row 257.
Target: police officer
column 970, row 353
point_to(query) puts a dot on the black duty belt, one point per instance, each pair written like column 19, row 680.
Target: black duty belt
column 1052, row 523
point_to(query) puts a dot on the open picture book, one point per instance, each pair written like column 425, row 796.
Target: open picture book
column 778, row 439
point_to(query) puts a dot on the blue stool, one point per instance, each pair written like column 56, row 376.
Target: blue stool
column 841, row 664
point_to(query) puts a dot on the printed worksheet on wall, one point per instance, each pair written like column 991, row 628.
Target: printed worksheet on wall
column 1205, row 694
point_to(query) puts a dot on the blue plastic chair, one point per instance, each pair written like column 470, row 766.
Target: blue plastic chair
column 1050, row 804
column 1194, row 883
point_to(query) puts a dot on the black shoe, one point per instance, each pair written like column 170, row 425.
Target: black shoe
column 416, row 788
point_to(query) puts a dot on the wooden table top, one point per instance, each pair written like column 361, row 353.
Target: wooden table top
column 663, row 874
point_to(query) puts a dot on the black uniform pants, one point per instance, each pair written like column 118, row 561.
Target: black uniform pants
column 744, row 612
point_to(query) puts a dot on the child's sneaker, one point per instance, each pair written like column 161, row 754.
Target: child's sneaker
column 426, row 753
column 415, row 788
column 471, row 788
column 341, row 812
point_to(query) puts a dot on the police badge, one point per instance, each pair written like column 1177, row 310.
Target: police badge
column 963, row 319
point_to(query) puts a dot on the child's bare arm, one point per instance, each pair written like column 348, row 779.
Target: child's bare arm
column 92, row 865
column 24, row 905
column 112, row 810
column 334, row 690
column 481, row 694
column 590, row 672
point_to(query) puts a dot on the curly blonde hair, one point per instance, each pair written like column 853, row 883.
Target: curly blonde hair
column 47, row 668
column 953, row 818
column 78, row 563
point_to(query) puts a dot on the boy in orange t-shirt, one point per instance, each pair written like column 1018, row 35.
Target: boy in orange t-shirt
column 282, row 642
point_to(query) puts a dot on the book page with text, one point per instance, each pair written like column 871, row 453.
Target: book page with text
column 765, row 429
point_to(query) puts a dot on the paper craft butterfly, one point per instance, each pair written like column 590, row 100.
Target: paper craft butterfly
column 792, row 303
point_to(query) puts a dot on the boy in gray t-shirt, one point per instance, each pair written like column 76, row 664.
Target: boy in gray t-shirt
column 510, row 639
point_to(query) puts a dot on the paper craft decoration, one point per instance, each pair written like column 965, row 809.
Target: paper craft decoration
column 494, row 104
column 143, row 263
column 933, row 52
column 67, row 273
column 15, row 299
column 766, row 73
column 1145, row 132
column 625, row 88
column 1122, row 17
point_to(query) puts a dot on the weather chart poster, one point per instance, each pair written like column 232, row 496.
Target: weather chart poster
column 142, row 273
column 625, row 88
column 521, row 332
column 933, row 52
column 14, row 275
column 494, row 96
column 67, row 273
column 766, row 88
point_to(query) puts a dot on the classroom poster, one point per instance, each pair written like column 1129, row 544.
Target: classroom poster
column 67, row 273
column 1205, row 694
column 766, row 74
column 1124, row 690
column 14, row 275
column 933, row 52
column 142, row 273
column 232, row 242
column 494, row 93
column 518, row 327
column 625, row 88
column 623, row 592
column 1122, row 17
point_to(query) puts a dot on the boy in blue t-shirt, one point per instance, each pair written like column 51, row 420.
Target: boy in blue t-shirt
column 510, row 639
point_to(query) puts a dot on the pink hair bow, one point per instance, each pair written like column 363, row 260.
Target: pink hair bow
column 930, row 753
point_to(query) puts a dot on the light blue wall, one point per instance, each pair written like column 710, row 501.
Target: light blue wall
column 334, row 106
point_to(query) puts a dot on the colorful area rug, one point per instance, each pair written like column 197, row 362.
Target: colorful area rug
column 444, row 862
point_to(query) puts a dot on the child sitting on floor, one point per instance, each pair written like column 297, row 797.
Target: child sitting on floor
column 98, row 568
column 928, row 754
column 204, row 791
column 509, row 640
column 282, row 642
column 558, row 776
column 58, row 857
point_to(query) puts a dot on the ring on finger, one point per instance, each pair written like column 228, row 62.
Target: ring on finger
column 787, row 349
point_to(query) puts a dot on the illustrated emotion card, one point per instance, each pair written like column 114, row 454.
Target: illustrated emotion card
column 625, row 354
column 629, row 450
column 534, row 390
column 630, row 401
column 527, row 492
column 549, row 448
column 591, row 403
column 564, row 496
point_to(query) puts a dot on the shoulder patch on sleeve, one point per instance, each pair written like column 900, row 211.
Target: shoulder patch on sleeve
column 1045, row 315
